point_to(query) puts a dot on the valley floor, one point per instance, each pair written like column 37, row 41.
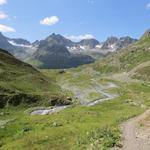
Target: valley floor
column 78, row 127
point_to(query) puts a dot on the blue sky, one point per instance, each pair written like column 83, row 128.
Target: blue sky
column 75, row 18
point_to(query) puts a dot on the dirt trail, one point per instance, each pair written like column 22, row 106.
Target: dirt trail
column 136, row 133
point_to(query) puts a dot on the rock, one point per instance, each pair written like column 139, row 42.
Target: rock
column 133, row 104
column 55, row 124
column 120, row 145
column 62, row 71
column 132, row 51
column 129, row 101
column 69, row 98
column 3, row 123
column 26, row 129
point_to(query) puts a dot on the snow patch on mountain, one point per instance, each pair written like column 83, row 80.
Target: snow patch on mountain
column 19, row 45
column 83, row 47
column 99, row 46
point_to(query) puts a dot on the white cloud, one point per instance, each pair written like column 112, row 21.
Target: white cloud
column 148, row 6
column 3, row 15
column 2, row 2
column 50, row 20
column 4, row 28
column 80, row 37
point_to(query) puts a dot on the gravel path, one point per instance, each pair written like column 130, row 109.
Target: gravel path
column 136, row 137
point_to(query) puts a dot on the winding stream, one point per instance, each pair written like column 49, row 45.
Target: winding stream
column 99, row 88
column 49, row 110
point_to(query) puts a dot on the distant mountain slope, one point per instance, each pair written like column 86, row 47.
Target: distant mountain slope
column 91, row 46
column 20, row 83
column 52, row 53
column 113, row 43
column 127, row 58
column 89, row 43
column 57, row 51
column 20, row 41
column 18, row 47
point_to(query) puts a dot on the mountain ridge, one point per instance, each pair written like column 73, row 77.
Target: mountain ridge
column 43, row 54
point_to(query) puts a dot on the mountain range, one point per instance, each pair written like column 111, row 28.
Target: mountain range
column 57, row 52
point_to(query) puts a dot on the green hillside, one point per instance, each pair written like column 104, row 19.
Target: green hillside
column 126, row 59
column 21, row 83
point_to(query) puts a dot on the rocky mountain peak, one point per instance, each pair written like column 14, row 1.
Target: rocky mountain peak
column 58, row 39
column 89, row 42
column 112, row 40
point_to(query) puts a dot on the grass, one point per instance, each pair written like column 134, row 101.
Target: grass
column 19, row 78
column 97, row 127
column 34, row 62
column 142, row 74
column 74, row 128
column 94, row 96
column 100, row 138
column 71, row 129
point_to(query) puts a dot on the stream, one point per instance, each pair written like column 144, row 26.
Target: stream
column 99, row 88
column 49, row 110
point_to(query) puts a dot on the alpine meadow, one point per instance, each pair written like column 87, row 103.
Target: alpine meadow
column 81, row 81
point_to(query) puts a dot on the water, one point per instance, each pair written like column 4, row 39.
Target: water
column 99, row 88
column 49, row 111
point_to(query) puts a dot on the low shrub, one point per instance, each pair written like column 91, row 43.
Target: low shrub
column 100, row 139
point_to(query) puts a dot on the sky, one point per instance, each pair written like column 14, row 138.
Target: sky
column 75, row 19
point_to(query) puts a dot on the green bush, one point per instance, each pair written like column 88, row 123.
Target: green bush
column 101, row 139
